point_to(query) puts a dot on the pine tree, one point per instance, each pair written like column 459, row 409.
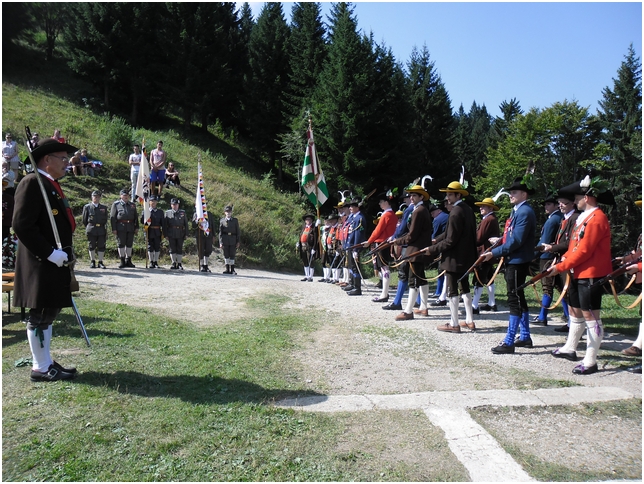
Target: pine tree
column 621, row 119
column 432, row 121
column 269, row 74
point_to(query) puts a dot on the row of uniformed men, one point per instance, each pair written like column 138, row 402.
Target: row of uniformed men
column 582, row 246
column 171, row 224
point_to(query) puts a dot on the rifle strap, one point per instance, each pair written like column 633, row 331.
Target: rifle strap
column 423, row 278
column 630, row 283
column 496, row 272
column 614, row 291
column 564, row 291
column 476, row 273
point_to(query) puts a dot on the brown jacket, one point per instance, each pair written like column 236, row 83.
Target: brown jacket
column 489, row 227
column 458, row 243
column 40, row 283
column 420, row 232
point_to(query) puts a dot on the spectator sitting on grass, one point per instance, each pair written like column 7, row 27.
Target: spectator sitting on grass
column 88, row 167
column 172, row 176
column 76, row 164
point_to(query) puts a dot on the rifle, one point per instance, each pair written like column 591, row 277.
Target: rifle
column 616, row 273
column 535, row 279
column 480, row 260
column 382, row 246
column 54, row 228
column 409, row 256
column 357, row 246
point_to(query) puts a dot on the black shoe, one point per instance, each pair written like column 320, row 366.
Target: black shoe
column 348, row 288
column 523, row 343
column 487, row 307
column 203, row 269
column 380, row 299
column 101, row 265
column 562, row 329
column 322, row 280
column 93, row 265
column 417, row 305
column 539, row 322
column 355, row 292
column 128, row 262
column 582, row 370
column 392, row 306
column 379, row 285
column 52, row 374
column 179, row 266
column 635, row 369
column 568, row 356
column 60, row 367
column 232, row 271
column 475, row 310
column 330, row 281
column 174, row 266
column 439, row 303
column 503, row 349
column 122, row 265
column 207, row 269
column 301, row 280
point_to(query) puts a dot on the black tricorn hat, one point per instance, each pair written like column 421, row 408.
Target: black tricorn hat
column 47, row 147
column 567, row 195
column 592, row 187
column 518, row 184
column 333, row 216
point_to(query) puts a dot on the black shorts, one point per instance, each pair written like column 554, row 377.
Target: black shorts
column 582, row 296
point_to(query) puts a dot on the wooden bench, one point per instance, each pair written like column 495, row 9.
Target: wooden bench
column 7, row 286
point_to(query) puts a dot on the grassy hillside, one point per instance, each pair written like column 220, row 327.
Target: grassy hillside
column 269, row 219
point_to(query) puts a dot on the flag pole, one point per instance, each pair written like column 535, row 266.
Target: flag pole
column 315, row 178
column 145, row 227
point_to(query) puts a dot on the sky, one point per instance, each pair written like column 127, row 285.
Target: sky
column 538, row 53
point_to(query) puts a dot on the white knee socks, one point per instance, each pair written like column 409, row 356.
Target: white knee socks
column 595, row 334
column 411, row 299
column 41, row 356
column 453, row 309
column 467, row 301
column 478, row 290
column 577, row 327
column 490, row 295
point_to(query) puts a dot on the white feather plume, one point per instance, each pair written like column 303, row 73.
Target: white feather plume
column 462, row 178
column 422, row 181
column 499, row 193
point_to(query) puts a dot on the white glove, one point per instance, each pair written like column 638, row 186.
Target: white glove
column 297, row 246
column 58, row 257
column 337, row 253
column 317, row 223
column 312, row 251
column 355, row 254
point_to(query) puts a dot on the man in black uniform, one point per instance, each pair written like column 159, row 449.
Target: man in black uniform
column 125, row 224
column 155, row 231
column 204, row 241
column 176, row 230
column 42, row 281
column 229, row 238
column 95, row 220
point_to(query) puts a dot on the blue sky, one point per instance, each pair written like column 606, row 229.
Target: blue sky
column 538, row 53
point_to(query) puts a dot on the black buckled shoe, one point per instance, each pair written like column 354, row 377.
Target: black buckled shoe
column 562, row 354
column 348, row 288
column 523, row 343
column 503, row 349
column 487, row 307
column 539, row 322
column 562, row 329
column 52, row 374
column 475, row 310
column 60, row 367
column 392, row 306
column 354, row 292
column 582, row 370
column 439, row 303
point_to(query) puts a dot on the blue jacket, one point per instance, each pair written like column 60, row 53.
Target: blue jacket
column 440, row 224
column 403, row 228
column 519, row 241
column 549, row 232
column 357, row 233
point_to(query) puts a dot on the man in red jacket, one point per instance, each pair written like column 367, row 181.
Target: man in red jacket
column 588, row 258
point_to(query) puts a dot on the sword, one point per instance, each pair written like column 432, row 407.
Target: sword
column 54, row 228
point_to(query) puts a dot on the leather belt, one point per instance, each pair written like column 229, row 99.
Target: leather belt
column 124, row 221
column 230, row 233
column 154, row 227
column 97, row 225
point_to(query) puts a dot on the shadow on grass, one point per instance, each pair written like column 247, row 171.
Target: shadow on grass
column 193, row 389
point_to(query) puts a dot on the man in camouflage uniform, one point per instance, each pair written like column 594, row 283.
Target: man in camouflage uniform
column 95, row 221
column 155, row 231
column 176, row 230
column 125, row 224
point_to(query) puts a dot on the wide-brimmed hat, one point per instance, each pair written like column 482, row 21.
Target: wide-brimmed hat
column 47, row 147
column 339, row 205
column 488, row 202
column 355, row 202
column 567, row 195
column 308, row 215
column 455, row 187
column 518, row 184
column 550, row 198
column 228, row 208
column 594, row 187
column 638, row 203
column 333, row 216
column 418, row 189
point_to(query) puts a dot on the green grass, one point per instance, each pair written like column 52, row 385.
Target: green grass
column 161, row 400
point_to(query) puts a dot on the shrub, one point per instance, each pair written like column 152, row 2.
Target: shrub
column 115, row 134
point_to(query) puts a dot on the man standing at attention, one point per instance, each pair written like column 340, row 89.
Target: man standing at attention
column 42, row 281
column 95, row 219
column 588, row 258
column 157, row 168
column 124, row 225
column 135, row 165
column 518, row 251
column 229, row 238
column 458, row 248
column 175, row 229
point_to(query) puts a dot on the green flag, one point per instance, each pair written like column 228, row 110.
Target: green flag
column 317, row 193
